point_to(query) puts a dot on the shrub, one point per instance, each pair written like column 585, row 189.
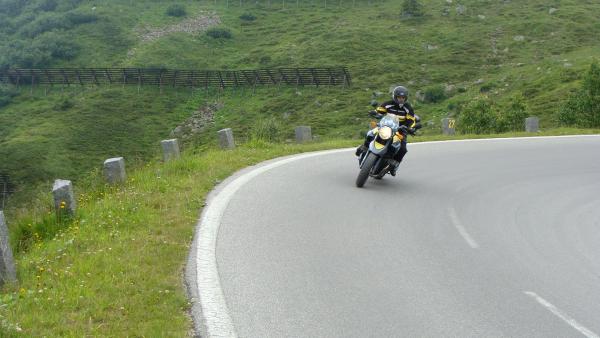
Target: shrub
column 219, row 33
column 64, row 103
column 43, row 24
column 48, row 5
column 582, row 108
column 12, row 7
column 268, row 130
column 412, row 8
column 247, row 17
column 176, row 10
column 79, row 17
column 512, row 117
column 477, row 117
column 434, row 94
column 6, row 95
column 56, row 45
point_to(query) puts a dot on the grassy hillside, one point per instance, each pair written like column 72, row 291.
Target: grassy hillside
column 114, row 270
column 452, row 54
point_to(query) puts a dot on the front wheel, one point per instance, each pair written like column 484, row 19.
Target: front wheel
column 365, row 170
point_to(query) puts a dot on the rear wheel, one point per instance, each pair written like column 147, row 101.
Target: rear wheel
column 365, row 170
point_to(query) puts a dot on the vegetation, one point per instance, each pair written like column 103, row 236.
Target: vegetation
column 492, row 65
column 412, row 8
column 219, row 33
column 176, row 10
column 115, row 269
column 434, row 94
column 247, row 17
column 484, row 116
column 582, row 108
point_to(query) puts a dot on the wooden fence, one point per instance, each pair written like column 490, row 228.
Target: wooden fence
column 336, row 76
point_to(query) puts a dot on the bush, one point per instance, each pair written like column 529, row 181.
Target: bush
column 48, row 5
column 582, row 108
column 219, row 33
column 6, row 95
column 44, row 24
column 79, row 17
column 487, row 87
column 37, row 53
column 247, row 17
column 478, row 117
column 19, row 54
column 63, row 104
column 176, row 10
column 483, row 116
column 12, row 7
column 412, row 8
column 434, row 94
column 56, row 45
column 512, row 117
column 268, row 130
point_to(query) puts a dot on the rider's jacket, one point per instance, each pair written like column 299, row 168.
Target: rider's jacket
column 405, row 113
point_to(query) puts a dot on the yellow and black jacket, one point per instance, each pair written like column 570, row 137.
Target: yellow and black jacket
column 405, row 113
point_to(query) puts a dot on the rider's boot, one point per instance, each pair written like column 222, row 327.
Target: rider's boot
column 360, row 150
column 394, row 167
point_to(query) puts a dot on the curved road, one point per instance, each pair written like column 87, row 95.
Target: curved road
column 481, row 238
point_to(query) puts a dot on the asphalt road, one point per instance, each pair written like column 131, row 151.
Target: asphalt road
column 495, row 238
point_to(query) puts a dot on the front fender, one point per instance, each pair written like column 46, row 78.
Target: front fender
column 378, row 149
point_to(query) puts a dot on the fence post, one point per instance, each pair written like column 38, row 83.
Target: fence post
column 7, row 263
column 114, row 170
column 532, row 124
column 303, row 134
column 170, row 149
column 448, row 126
column 226, row 138
column 64, row 197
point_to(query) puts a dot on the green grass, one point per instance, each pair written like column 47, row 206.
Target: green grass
column 116, row 268
column 43, row 137
column 147, row 224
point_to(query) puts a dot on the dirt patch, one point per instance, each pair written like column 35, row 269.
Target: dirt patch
column 193, row 25
column 197, row 123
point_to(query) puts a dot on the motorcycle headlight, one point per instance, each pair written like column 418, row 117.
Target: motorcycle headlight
column 385, row 133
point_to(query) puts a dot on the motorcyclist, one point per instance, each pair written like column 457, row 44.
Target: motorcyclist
column 398, row 106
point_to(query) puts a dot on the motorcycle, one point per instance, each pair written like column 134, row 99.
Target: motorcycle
column 387, row 139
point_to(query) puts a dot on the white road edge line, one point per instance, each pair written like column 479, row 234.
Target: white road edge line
column 461, row 229
column 217, row 320
column 557, row 312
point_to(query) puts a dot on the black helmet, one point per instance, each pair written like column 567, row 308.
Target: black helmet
column 399, row 91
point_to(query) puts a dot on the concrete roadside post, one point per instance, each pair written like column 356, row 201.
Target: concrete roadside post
column 226, row 138
column 303, row 134
column 7, row 264
column 170, row 149
column 64, row 199
column 532, row 124
column 114, row 170
column 448, row 126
